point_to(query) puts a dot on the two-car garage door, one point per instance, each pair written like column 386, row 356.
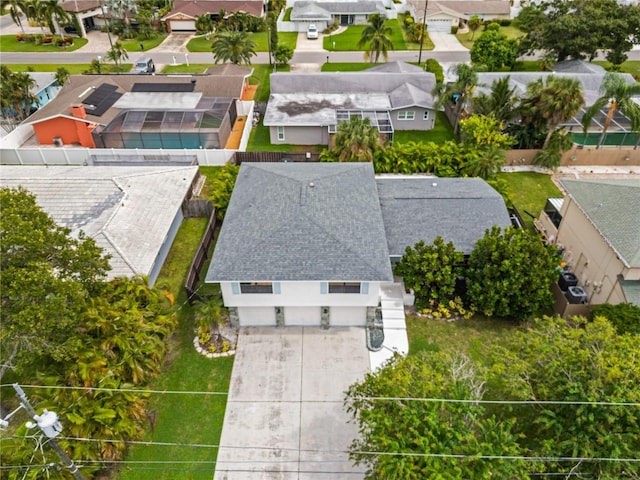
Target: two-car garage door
column 301, row 316
column 183, row 25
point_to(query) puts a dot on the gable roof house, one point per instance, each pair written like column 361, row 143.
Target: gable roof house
column 322, row 13
column 182, row 17
column 444, row 14
column 135, row 111
column 305, row 108
column 311, row 243
column 133, row 213
column 597, row 227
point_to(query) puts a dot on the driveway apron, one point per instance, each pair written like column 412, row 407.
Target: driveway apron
column 285, row 418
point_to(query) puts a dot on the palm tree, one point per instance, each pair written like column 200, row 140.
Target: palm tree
column 617, row 94
column 474, row 24
column 376, row 36
column 486, row 162
column 500, row 102
column 204, row 23
column 53, row 13
column 356, row 140
column 461, row 91
column 62, row 75
column 117, row 53
column 233, row 46
column 560, row 99
column 123, row 9
column 209, row 315
column 17, row 8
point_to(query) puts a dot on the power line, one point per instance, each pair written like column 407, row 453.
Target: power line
column 403, row 399
column 371, row 453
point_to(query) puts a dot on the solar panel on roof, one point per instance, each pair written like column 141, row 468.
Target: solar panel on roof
column 163, row 87
column 105, row 104
column 100, row 94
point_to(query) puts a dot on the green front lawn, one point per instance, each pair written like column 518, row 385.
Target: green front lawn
column 346, row 67
column 9, row 43
column 184, row 68
column 528, row 191
column 510, row 32
column 347, row 41
column 470, row 337
column 134, row 44
column 201, row 44
column 72, row 68
column 630, row 66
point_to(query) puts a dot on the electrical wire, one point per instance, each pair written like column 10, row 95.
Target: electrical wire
column 398, row 399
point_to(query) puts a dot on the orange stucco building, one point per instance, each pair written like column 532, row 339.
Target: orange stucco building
column 72, row 129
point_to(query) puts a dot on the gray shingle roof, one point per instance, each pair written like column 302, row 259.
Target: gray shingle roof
column 279, row 227
column 395, row 67
column 337, row 8
column 128, row 211
column 313, row 98
column 422, row 208
column 612, row 206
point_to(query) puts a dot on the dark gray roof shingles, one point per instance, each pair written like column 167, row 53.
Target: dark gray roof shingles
column 422, row 208
column 280, row 228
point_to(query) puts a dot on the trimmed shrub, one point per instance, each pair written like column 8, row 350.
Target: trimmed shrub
column 454, row 29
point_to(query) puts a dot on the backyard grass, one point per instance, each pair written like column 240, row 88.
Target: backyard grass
column 183, row 418
column 9, row 43
column 72, row 68
column 470, row 337
column 259, row 141
column 347, row 41
column 528, row 191
column 134, row 44
column 201, row 44
column 261, row 77
column 441, row 132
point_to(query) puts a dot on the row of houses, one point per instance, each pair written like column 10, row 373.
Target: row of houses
column 441, row 15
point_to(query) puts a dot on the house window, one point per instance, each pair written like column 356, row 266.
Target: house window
column 406, row 115
column 256, row 287
column 344, row 287
column 281, row 134
column 425, row 115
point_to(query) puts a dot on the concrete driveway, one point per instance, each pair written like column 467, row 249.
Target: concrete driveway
column 284, row 417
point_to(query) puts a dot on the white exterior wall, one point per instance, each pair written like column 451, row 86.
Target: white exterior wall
column 418, row 123
column 301, row 302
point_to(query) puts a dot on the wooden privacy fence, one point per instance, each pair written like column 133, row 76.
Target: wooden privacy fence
column 273, row 157
column 199, row 259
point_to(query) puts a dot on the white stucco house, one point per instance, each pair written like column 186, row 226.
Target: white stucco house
column 306, row 108
column 311, row 244
column 322, row 13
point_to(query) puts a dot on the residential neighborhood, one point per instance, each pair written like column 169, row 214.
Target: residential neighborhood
column 319, row 240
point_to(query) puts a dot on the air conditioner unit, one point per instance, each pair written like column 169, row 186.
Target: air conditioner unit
column 57, row 141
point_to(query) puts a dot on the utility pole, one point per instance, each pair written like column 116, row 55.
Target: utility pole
column 424, row 30
column 50, row 426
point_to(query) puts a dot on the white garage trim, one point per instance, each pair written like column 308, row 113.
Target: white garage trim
column 183, row 25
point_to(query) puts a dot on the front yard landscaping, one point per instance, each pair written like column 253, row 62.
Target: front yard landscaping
column 72, row 68
column 10, row 43
column 466, row 40
column 347, row 41
column 134, row 44
column 201, row 44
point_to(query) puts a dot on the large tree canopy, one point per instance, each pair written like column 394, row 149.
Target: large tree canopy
column 561, row 26
column 46, row 277
column 406, row 431
column 494, row 49
column 510, row 273
column 421, row 440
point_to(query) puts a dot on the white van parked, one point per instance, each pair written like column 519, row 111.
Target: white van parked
column 312, row 32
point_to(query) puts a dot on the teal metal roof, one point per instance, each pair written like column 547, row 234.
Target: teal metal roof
column 613, row 206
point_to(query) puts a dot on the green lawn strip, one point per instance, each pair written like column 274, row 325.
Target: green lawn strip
column 528, row 191
column 259, row 141
column 346, row 67
column 630, row 66
column 9, row 43
column 183, row 418
column 261, row 77
column 347, row 41
column 466, row 41
column 72, row 68
column 441, row 132
column 184, row 68
column 470, row 337
column 427, row 44
column 201, row 44
column 134, row 44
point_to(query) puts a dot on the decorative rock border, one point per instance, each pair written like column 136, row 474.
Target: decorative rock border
column 228, row 333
